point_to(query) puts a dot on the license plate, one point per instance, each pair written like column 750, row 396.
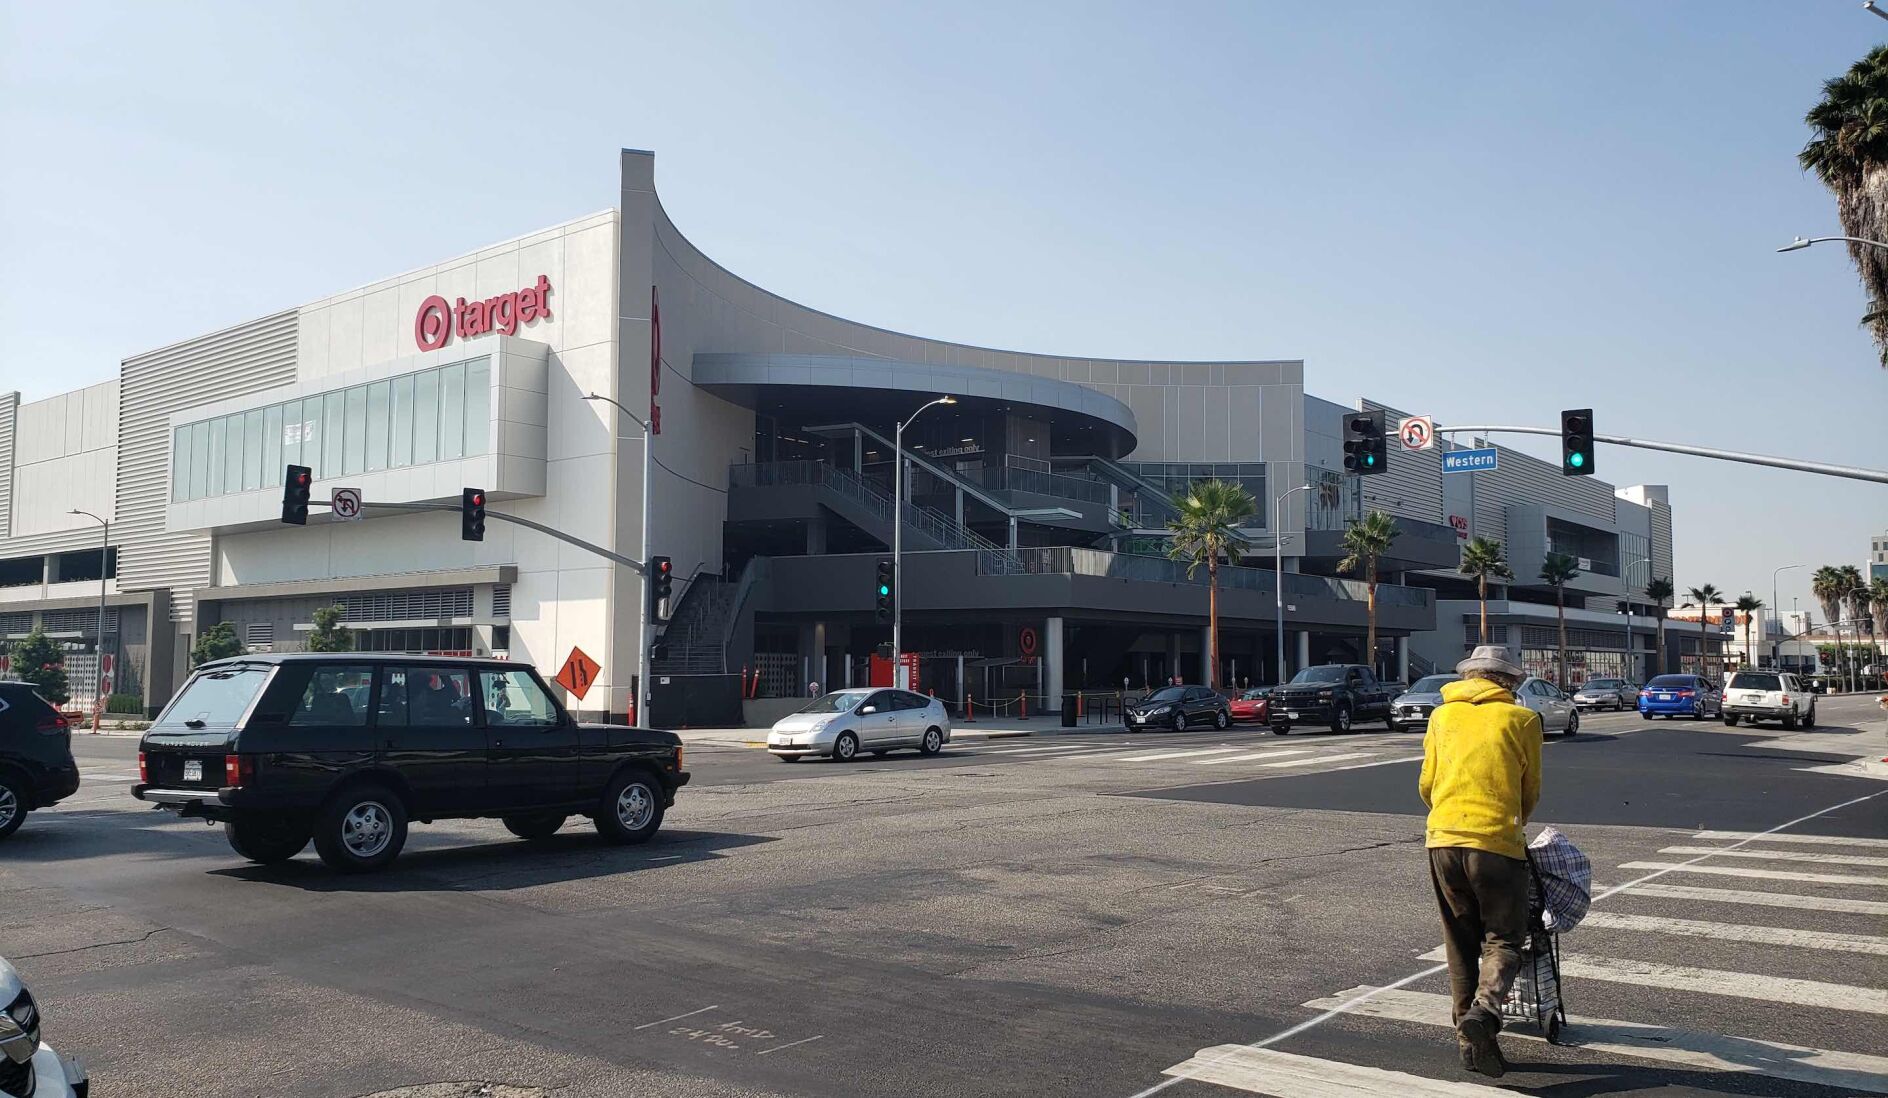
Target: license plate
column 1291, row 714
column 193, row 770
column 1664, row 697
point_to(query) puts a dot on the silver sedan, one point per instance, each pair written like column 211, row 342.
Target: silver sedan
column 843, row 723
column 1615, row 694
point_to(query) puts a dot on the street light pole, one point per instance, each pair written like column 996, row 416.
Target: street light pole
column 899, row 678
column 1278, row 572
column 1776, row 649
column 1799, row 243
column 104, row 561
column 643, row 693
column 1626, row 609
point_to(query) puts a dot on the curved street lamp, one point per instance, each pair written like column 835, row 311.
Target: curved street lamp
column 899, row 678
column 1799, row 243
column 104, row 566
column 643, row 692
column 1278, row 573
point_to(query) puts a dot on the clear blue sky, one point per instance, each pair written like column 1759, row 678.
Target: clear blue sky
column 1486, row 211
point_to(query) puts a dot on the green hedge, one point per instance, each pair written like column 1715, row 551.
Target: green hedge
column 125, row 703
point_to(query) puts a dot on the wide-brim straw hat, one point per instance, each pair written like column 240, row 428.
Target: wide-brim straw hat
column 1490, row 657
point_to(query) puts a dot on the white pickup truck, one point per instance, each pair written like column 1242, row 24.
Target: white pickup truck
column 1768, row 696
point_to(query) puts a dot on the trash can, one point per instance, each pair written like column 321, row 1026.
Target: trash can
column 1068, row 710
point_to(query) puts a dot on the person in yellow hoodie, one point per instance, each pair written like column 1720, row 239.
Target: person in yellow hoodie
column 1481, row 778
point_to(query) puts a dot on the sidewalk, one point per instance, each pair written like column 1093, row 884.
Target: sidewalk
column 1002, row 728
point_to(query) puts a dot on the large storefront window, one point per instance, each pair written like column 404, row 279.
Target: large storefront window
column 1175, row 477
column 445, row 641
column 414, row 419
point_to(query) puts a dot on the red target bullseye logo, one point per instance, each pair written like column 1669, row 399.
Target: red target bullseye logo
column 433, row 326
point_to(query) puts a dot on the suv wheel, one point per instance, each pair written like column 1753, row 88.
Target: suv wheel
column 1789, row 721
column 933, row 741
column 1809, row 718
column 632, row 807
column 1340, row 721
column 1730, row 720
column 265, row 841
column 1222, row 720
column 534, row 828
column 361, row 829
column 12, row 803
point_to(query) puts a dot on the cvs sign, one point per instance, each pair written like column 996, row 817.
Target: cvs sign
column 437, row 322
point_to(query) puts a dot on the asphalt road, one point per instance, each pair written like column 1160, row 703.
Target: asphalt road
column 1073, row 915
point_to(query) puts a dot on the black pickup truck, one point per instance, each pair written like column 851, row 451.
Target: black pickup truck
column 1339, row 695
column 347, row 748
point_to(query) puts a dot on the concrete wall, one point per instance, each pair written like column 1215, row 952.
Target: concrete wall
column 65, row 455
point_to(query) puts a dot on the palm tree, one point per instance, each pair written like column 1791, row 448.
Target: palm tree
column 1828, row 585
column 1481, row 558
column 1878, row 605
column 1748, row 605
column 1659, row 590
column 1557, row 570
column 1206, row 529
column 1705, row 596
column 1365, row 541
column 1855, row 593
column 1848, row 151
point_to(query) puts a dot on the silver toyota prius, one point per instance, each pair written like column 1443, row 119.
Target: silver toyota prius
column 843, row 723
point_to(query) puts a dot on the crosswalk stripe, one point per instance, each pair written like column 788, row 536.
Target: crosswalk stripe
column 1177, row 754
column 1711, row 981
column 1781, row 837
column 1759, row 899
column 1779, row 855
column 1321, row 759
column 1737, row 932
column 1709, row 1051
column 1034, row 750
column 1764, row 874
column 1287, row 1075
column 1249, row 758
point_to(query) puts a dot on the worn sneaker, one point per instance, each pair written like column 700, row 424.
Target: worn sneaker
column 1480, row 1053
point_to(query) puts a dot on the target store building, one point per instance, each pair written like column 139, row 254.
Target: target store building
column 1033, row 517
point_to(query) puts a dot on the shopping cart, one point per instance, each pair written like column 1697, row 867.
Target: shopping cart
column 1535, row 995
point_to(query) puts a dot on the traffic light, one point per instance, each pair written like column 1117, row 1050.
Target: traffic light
column 886, row 590
column 295, row 485
column 1576, row 442
column 661, row 585
column 1364, row 450
column 472, row 514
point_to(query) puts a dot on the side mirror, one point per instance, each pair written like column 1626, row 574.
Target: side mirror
column 865, row 709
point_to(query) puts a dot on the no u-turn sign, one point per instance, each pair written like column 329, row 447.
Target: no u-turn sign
column 1417, row 433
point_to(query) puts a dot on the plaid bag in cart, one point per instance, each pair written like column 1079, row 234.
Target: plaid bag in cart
column 1564, row 877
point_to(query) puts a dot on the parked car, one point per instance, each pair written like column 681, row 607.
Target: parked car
column 1337, row 694
column 1250, row 705
column 29, row 1067
column 1613, row 694
column 1691, row 696
column 1558, row 713
column 347, row 748
column 1411, row 708
column 843, row 723
column 36, row 767
column 1179, row 708
column 1768, row 696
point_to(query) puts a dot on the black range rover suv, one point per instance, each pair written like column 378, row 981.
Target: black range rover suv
column 346, row 748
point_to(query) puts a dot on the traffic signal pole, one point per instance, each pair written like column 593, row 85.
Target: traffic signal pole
column 1851, row 472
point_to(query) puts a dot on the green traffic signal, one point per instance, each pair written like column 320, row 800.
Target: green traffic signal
column 884, row 590
column 1576, row 459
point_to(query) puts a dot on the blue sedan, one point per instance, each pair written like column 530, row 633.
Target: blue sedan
column 1680, row 696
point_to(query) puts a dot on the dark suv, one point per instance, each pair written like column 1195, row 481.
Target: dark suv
column 347, row 748
column 36, row 767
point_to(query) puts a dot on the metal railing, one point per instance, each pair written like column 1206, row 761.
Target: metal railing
column 944, row 531
column 1067, row 560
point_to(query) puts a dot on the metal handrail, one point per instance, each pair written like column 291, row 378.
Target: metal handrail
column 1069, row 560
column 938, row 527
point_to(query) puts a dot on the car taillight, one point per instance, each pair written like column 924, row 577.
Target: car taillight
column 237, row 768
column 1684, row 693
column 678, row 760
column 144, row 772
column 52, row 724
column 1786, row 699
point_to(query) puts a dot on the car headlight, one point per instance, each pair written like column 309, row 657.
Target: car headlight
column 1158, row 710
column 1326, row 693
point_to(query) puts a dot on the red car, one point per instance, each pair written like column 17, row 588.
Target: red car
column 1251, row 705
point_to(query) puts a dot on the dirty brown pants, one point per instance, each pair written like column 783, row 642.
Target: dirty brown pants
column 1483, row 898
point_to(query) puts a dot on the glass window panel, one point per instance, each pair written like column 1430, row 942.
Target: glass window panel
column 438, row 697
column 331, row 411
column 199, row 460
column 213, row 484
column 354, row 442
column 514, row 698
column 336, row 697
column 400, row 422
column 478, row 406
column 426, row 417
column 233, row 453
column 179, row 464
column 272, row 446
column 452, row 411
column 377, row 394
column 292, row 433
column 253, row 449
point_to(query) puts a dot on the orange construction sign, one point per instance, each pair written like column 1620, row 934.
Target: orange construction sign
column 578, row 673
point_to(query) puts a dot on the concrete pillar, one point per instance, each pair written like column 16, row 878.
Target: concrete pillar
column 1012, row 531
column 1052, row 665
column 819, row 657
column 1304, row 649
column 960, row 505
column 1173, row 657
column 858, row 451
column 1402, row 658
column 816, row 536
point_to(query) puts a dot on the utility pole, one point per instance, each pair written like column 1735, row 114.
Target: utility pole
column 104, row 562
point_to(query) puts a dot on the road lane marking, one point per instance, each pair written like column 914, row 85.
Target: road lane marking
column 1738, row 932
column 1764, row 874
column 1320, row 759
column 678, row 1017
column 1712, row 981
column 1780, row 855
column 1254, row 755
column 790, row 1044
column 1807, row 840
column 1287, row 1075
column 1177, row 754
column 1764, row 899
column 1351, row 1004
column 1709, row 1051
